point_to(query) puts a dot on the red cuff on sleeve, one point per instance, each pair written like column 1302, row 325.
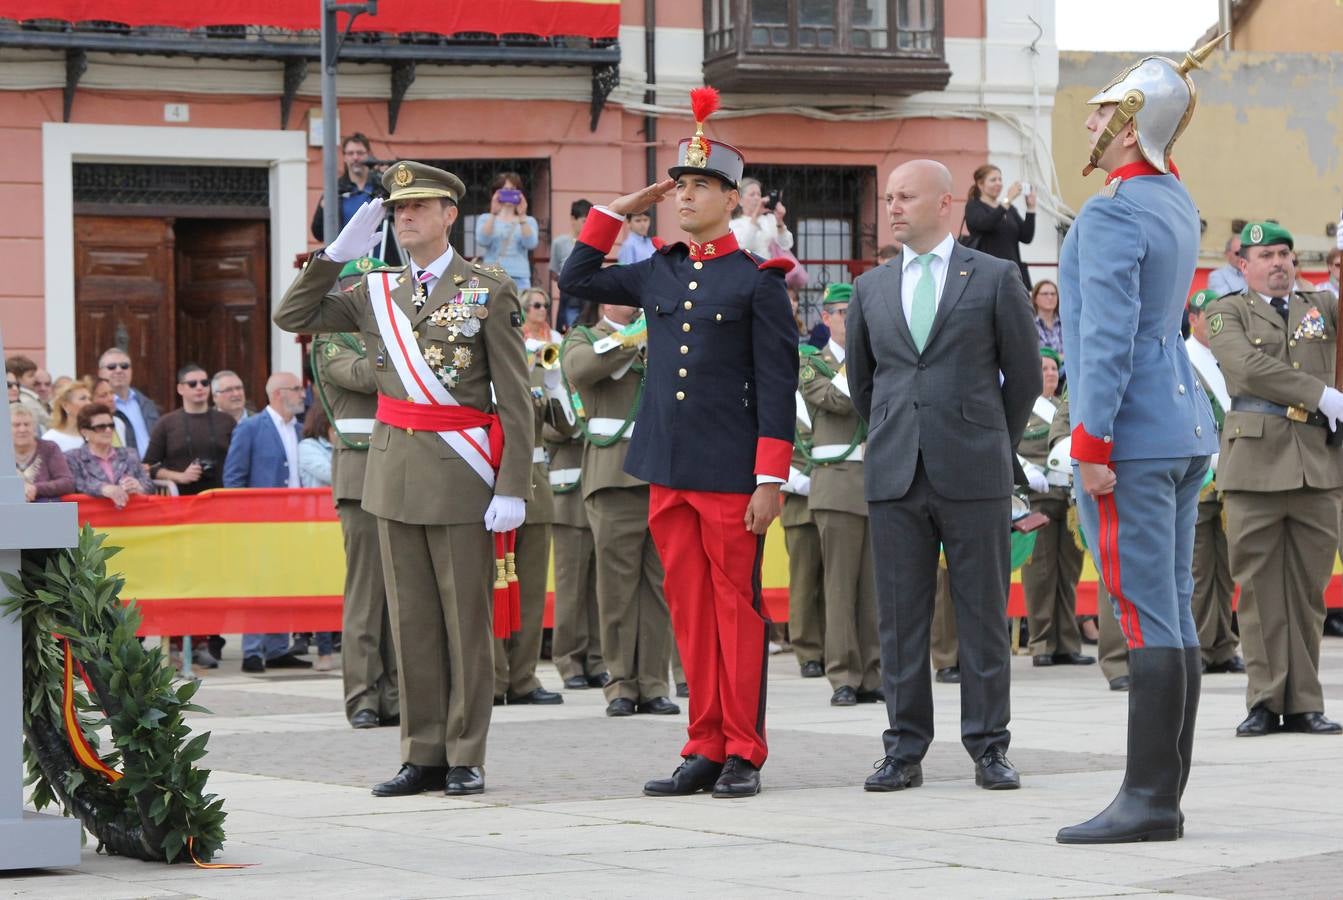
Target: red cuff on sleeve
column 600, row 230
column 1089, row 449
column 778, row 262
column 772, row 457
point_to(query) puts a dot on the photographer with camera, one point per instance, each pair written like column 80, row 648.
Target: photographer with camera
column 759, row 222
column 506, row 233
column 357, row 184
column 187, row 446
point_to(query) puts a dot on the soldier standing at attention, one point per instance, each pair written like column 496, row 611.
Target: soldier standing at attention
column 1142, row 427
column 714, row 439
column 852, row 652
column 1280, row 480
column 449, row 458
column 806, row 598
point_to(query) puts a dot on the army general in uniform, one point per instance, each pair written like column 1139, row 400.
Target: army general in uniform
column 1281, row 483
column 449, row 457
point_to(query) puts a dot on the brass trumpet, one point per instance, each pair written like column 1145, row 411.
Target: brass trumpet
column 548, row 356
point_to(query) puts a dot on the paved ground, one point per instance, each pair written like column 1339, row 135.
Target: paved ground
column 563, row 815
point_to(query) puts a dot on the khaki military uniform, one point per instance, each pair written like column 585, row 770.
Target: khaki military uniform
column 346, row 386
column 1280, row 486
column 636, row 636
column 944, row 646
column 438, row 559
column 1049, row 577
column 806, row 595
column 852, row 651
column 1214, row 588
column 576, row 645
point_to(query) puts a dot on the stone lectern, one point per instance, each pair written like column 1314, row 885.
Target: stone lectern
column 28, row 840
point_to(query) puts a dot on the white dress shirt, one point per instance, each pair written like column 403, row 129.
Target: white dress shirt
column 911, row 272
column 435, row 270
column 288, row 438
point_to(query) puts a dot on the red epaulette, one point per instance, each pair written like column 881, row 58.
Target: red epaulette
column 783, row 264
column 658, row 243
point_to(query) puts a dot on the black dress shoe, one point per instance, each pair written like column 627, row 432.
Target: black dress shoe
column 1073, row 659
column 845, row 696
column 658, row 706
column 949, row 675
column 538, row 697
column 253, row 664
column 894, row 775
column 738, row 779
column 365, row 718
column 1259, row 722
column 600, row 680
column 464, row 780
column 1119, row 683
column 411, row 780
column 288, row 661
column 620, row 706
column 1310, row 723
column 682, row 690
column 499, row 700
column 695, row 774
column 994, row 773
column 812, row 669
column 871, row 697
column 390, row 721
column 576, row 683
column 215, row 643
column 1042, row 659
column 1333, row 625
column 1233, row 666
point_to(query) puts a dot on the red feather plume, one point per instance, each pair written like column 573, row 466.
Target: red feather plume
column 703, row 102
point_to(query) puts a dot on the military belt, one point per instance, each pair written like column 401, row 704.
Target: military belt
column 564, row 477
column 841, row 452
column 609, row 427
column 1295, row 413
column 354, row 426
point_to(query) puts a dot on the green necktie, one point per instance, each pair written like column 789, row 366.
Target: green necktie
column 925, row 303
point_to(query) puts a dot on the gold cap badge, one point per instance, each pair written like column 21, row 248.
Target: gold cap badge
column 403, row 176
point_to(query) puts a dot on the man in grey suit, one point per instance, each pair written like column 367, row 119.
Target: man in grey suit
column 943, row 364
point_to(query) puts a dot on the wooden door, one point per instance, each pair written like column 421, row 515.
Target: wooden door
column 123, row 298
column 222, row 299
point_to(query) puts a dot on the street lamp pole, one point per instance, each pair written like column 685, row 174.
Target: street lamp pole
column 332, row 39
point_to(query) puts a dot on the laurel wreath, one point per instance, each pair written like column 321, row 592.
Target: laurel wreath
column 157, row 810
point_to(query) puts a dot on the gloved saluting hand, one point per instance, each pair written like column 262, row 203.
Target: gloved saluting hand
column 360, row 235
column 505, row 514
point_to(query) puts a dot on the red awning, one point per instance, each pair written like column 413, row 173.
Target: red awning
column 584, row 18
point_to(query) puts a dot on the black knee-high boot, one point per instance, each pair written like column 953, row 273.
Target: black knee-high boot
column 1147, row 807
column 1193, row 678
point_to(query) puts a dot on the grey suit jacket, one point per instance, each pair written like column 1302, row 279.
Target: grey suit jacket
column 946, row 402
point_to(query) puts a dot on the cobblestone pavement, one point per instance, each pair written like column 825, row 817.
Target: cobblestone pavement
column 563, row 814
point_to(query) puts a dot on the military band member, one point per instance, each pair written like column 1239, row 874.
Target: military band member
column 446, row 343
column 604, row 363
column 1142, row 427
column 1281, row 483
column 344, row 384
column 852, row 652
column 1049, row 577
column 1214, row 588
column 806, row 595
column 714, row 439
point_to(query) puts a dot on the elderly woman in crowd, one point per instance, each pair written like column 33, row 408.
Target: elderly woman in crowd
column 66, row 403
column 506, row 234
column 996, row 225
column 101, row 468
column 40, row 463
column 757, row 227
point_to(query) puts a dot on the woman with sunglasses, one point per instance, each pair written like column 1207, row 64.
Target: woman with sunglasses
column 40, row 463
column 12, row 385
column 101, row 469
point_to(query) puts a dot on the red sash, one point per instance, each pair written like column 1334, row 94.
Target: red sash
column 405, row 414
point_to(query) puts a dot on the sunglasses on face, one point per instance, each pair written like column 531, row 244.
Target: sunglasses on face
column 539, row 305
column 101, row 426
column 121, row 365
column 196, row 382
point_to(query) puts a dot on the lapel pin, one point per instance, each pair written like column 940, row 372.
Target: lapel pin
column 965, row 273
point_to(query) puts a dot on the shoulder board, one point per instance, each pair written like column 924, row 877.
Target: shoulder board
column 778, row 262
column 494, row 271
column 658, row 243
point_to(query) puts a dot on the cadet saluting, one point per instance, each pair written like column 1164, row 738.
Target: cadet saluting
column 714, row 439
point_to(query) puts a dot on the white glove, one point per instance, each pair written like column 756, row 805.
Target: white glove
column 551, row 379
column 1035, row 477
column 1331, row 405
column 505, row 513
column 798, row 483
column 1212, row 462
column 360, row 235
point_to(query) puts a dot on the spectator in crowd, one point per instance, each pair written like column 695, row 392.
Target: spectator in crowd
column 188, row 445
column 887, row 252
column 25, row 371
column 60, row 382
column 818, row 335
column 229, row 395
column 1045, row 303
column 66, row 403
column 314, row 470
column 564, row 312
column 41, row 464
column 140, row 411
column 994, row 224
column 1228, row 279
column 638, row 245
column 1332, row 263
column 12, row 385
column 100, row 390
column 42, row 387
column 264, row 454
column 757, row 226
column 355, row 186
column 102, row 469
column 506, row 233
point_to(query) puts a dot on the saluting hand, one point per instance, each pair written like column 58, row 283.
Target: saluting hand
column 762, row 509
column 640, row 201
column 359, row 235
column 1097, row 480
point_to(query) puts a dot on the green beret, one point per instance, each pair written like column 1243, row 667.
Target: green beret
column 408, row 180
column 1051, row 353
column 1261, row 234
column 1200, row 299
column 361, row 266
column 836, row 293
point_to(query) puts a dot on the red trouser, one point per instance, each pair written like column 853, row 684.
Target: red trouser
column 712, row 583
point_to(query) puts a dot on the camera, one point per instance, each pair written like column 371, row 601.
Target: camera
column 207, row 467
column 510, row 195
column 772, row 199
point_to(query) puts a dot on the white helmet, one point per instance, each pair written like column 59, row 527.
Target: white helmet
column 1165, row 94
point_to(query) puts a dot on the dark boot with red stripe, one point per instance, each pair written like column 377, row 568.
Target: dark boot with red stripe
column 1193, row 678
column 1147, row 807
